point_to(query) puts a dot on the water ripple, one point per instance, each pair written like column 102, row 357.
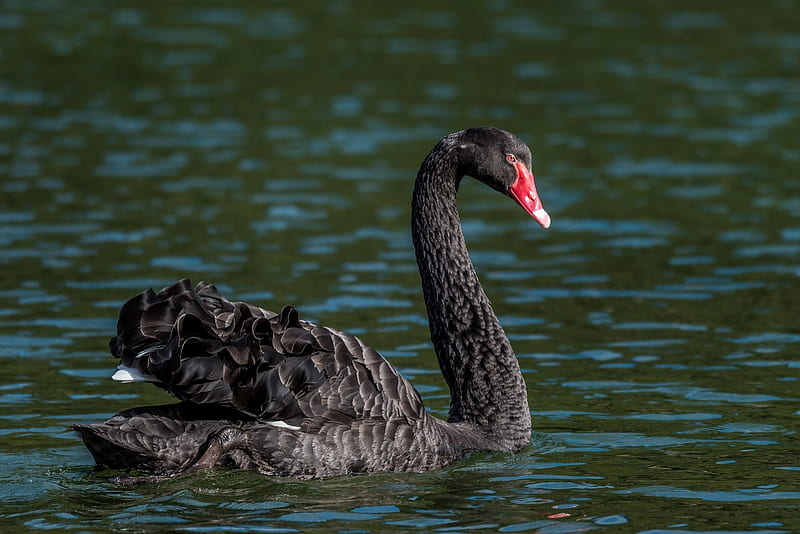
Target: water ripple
column 742, row 495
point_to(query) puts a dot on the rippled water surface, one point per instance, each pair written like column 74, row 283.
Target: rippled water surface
column 270, row 148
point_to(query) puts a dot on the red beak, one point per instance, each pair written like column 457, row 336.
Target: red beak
column 524, row 191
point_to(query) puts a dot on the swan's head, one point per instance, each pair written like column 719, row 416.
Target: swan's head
column 503, row 162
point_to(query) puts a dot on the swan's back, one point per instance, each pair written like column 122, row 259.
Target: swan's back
column 205, row 349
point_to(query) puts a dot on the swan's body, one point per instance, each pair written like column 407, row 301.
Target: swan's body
column 271, row 392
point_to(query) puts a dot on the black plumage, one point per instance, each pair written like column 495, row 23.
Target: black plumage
column 273, row 392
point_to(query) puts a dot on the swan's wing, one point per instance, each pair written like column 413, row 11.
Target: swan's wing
column 205, row 349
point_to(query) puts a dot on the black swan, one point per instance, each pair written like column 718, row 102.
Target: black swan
column 272, row 392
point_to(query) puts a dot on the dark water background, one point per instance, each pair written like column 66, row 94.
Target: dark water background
column 270, row 147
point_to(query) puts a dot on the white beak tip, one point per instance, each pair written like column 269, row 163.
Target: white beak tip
column 542, row 217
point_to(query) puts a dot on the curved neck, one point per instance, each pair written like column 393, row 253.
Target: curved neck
column 486, row 386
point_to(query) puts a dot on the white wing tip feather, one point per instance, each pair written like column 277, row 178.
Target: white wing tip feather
column 126, row 374
column 282, row 424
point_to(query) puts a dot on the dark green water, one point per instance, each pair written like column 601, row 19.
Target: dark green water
column 270, row 148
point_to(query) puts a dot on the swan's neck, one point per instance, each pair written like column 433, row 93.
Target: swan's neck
column 486, row 386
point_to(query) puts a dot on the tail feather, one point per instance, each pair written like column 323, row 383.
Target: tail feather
column 156, row 439
column 109, row 452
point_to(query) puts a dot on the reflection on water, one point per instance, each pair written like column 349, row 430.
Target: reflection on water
column 270, row 149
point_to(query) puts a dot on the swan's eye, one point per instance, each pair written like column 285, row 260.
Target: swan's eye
column 511, row 158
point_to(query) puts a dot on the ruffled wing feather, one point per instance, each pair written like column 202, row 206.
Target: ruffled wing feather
column 205, row 349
